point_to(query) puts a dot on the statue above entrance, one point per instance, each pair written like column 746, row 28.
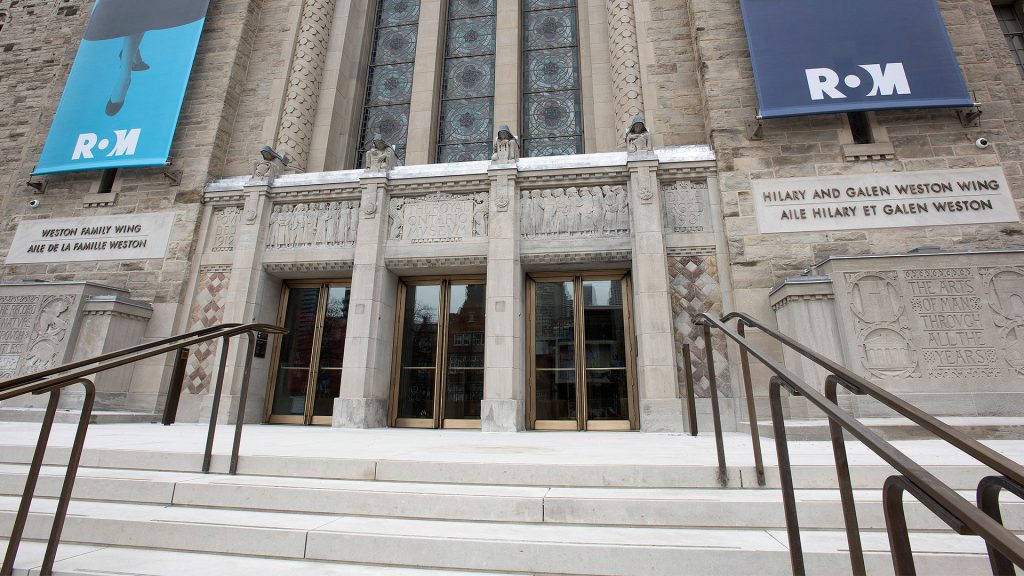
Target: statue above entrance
column 381, row 156
column 638, row 138
column 506, row 146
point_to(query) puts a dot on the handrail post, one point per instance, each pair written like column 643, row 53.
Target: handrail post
column 896, row 526
column 748, row 389
column 18, row 529
column 174, row 387
column 69, row 477
column 845, row 483
column 988, row 501
column 796, row 550
column 242, row 396
column 215, row 409
column 691, row 402
column 716, row 416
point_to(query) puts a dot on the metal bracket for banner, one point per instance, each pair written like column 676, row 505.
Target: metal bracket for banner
column 755, row 128
column 39, row 187
column 173, row 175
column 970, row 117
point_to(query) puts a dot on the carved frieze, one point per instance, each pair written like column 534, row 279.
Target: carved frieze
column 884, row 341
column 45, row 344
column 225, row 222
column 438, row 217
column 313, row 224
column 1004, row 293
column 575, row 212
column 686, row 207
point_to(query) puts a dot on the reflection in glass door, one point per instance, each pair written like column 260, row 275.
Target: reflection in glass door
column 309, row 358
column 581, row 358
column 439, row 371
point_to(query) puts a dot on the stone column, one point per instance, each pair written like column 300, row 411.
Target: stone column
column 240, row 304
column 506, row 65
column 424, row 108
column 661, row 409
column 366, row 372
column 625, row 61
column 503, row 406
column 296, row 134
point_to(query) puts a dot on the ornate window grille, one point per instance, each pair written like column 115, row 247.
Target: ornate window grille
column 467, row 85
column 552, row 119
column 389, row 82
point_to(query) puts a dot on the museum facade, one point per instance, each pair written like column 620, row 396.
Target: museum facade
column 505, row 214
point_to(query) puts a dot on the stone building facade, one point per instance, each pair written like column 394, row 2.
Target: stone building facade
column 639, row 239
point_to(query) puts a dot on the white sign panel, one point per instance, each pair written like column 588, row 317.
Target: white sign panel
column 126, row 237
column 890, row 200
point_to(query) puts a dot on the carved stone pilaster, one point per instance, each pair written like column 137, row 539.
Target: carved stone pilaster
column 304, row 80
column 625, row 61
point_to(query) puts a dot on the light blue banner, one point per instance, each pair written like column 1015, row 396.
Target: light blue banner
column 121, row 102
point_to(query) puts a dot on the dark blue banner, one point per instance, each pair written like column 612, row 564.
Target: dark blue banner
column 824, row 56
column 121, row 103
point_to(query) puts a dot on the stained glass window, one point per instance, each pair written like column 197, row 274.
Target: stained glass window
column 1013, row 32
column 467, row 86
column 389, row 83
column 552, row 123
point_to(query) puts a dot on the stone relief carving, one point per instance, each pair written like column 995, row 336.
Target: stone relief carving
column 1004, row 290
column 685, row 206
column 313, row 224
column 47, row 335
column 569, row 212
column 625, row 61
column 225, row 221
column 307, row 71
column 439, row 217
column 884, row 342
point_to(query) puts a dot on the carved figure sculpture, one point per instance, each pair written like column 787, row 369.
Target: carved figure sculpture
column 638, row 138
column 480, row 213
column 583, row 211
column 381, row 156
column 526, row 212
column 506, row 146
column 395, row 218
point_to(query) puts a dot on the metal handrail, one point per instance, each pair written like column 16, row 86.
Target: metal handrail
column 938, row 497
column 54, row 380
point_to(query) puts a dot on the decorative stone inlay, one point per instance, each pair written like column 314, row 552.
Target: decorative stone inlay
column 686, row 207
column 438, row 217
column 207, row 310
column 313, row 224
column 575, row 212
column 225, row 223
column 331, row 266
column 884, row 343
column 304, row 81
column 694, row 289
column 439, row 262
column 557, row 258
column 625, row 62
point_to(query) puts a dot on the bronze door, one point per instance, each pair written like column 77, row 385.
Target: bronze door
column 438, row 376
column 307, row 372
column 580, row 353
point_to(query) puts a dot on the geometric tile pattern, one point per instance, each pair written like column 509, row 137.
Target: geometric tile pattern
column 695, row 289
column 207, row 310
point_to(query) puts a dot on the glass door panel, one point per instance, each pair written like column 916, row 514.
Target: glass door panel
column 581, row 359
column 309, row 359
column 332, row 349
column 555, row 351
column 418, row 368
column 464, row 362
column 296, row 354
column 604, row 337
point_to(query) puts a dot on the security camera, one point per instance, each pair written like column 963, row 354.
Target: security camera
column 34, row 203
column 982, row 143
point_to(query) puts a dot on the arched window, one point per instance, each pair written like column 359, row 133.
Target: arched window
column 467, row 87
column 552, row 119
column 389, row 83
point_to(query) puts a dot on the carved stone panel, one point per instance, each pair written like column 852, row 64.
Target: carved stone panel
column 695, row 289
column 317, row 224
column 225, row 223
column 207, row 310
column 575, row 212
column 686, row 207
column 33, row 332
column 438, row 217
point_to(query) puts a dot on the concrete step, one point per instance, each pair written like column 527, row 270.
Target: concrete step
column 88, row 560
column 541, row 474
column 692, row 507
column 17, row 414
column 979, row 428
column 503, row 547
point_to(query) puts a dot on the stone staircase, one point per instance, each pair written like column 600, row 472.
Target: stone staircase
column 149, row 512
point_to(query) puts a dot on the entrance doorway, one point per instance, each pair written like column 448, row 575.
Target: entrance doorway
column 438, row 377
column 580, row 361
column 309, row 357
